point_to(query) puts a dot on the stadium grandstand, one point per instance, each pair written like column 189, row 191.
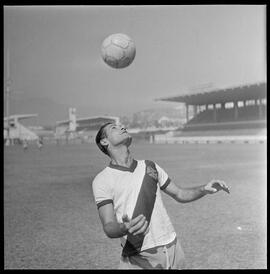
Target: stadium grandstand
column 15, row 132
column 236, row 111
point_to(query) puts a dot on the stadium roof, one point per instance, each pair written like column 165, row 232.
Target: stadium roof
column 20, row 116
column 240, row 93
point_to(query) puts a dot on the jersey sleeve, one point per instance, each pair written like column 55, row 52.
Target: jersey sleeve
column 163, row 178
column 102, row 191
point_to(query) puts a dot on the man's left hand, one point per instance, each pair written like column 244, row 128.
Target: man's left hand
column 215, row 186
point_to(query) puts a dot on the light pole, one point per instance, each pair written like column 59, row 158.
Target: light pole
column 7, row 91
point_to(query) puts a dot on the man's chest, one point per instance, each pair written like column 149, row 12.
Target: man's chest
column 127, row 185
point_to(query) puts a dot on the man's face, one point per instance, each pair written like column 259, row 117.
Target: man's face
column 117, row 134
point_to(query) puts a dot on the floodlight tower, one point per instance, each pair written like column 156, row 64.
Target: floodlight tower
column 7, row 91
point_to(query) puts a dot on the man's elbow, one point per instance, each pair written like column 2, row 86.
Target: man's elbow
column 111, row 236
column 109, row 232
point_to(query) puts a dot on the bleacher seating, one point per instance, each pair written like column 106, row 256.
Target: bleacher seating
column 248, row 117
column 248, row 113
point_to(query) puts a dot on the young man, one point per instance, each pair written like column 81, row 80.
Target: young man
column 128, row 198
column 25, row 144
column 39, row 143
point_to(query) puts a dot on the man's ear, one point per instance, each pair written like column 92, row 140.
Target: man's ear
column 104, row 142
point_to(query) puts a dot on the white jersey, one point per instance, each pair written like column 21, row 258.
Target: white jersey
column 134, row 191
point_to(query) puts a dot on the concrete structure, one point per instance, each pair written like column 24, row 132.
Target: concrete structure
column 16, row 131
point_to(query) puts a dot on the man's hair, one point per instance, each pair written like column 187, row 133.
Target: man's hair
column 100, row 135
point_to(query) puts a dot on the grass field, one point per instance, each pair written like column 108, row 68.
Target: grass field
column 51, row 221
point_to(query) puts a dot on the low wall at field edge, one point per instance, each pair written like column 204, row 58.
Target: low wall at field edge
column 246, row 139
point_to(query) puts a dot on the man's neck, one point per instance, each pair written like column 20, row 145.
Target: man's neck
column 121, row 157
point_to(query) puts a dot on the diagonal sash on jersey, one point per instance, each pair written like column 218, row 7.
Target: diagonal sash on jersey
column 144, row 205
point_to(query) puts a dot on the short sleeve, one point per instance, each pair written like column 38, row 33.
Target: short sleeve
column 163, row 178
column 101, row 190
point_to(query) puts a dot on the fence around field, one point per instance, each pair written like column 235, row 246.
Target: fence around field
column 245, row 139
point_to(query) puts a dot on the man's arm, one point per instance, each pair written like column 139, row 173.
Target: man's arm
column 114, row 229
column 185, row 195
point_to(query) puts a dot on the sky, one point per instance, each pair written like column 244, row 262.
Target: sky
column 55, row 52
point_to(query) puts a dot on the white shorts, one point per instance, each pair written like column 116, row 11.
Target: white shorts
column 170, row 256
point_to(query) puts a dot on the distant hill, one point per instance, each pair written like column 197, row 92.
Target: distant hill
column 157, row 113
column 151, row 117
column 50, row 111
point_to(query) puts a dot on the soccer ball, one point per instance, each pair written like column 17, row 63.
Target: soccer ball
column 118, row 50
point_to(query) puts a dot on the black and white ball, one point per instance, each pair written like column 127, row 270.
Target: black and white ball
column 118, row 50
